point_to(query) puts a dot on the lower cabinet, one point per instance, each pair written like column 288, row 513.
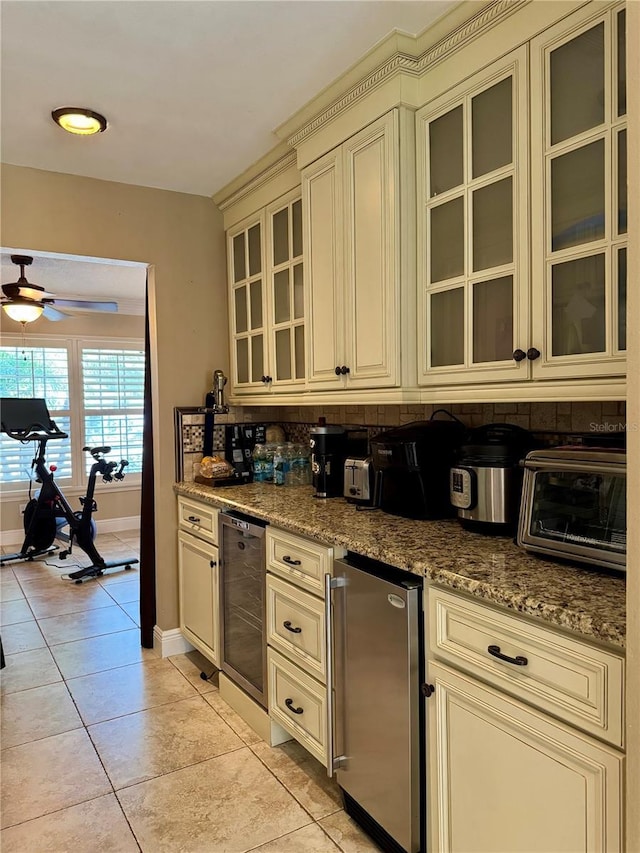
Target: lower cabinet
column 297, row 637
column 505, row 777
column 198, row 594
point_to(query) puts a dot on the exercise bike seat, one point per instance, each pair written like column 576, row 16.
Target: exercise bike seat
column 97, row 451
column 28, row 420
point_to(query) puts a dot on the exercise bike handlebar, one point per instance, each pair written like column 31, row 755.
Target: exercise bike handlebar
column 36, row 432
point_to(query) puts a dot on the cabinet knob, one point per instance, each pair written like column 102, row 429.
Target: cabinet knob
column 263, row 379
column 289, row 704
column 338, row 371
column 344, row 370
column 533, row 353
column 519, row 355
column 213, row 564
column 268, row 379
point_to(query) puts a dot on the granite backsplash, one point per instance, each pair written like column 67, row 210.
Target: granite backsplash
column 555, row 423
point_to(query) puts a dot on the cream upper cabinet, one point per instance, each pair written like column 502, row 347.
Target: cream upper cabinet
column 248, row 304
column 473, row 259
column 324, row 277
column 579, row 197
column 266, row 302
column 285, row 293
column 351, row 220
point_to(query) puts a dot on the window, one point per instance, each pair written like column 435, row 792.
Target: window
column 94, row 391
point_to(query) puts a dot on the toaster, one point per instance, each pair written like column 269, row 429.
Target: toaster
column 358, row 480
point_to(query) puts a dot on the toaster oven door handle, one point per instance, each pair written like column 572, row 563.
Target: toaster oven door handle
column 590, row 467
column 518, row 660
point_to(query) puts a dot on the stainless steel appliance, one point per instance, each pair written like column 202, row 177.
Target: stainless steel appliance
column 359, row 480
column 376, row 716
column 412, row 466
column 574, row 505
column 242, row 602
column 330, row 445
column 486, row 483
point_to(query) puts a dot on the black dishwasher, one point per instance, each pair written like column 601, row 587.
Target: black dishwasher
column 242, row 602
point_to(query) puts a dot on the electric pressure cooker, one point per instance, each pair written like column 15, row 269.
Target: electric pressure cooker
column 486, row 482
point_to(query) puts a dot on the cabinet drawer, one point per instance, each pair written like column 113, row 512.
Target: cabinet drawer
column 199, row 518
column 578, row 683
column 300, row 560
column 299, row 704
column 295, row 625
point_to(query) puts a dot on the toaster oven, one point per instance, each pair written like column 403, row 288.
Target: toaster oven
column 574, row 505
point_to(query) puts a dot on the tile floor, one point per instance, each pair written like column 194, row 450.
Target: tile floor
column 106, row 747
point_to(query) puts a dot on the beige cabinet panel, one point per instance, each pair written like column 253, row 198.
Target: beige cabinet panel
column 198, row 518
column 323, row 273
column 198, row 591
column 577, row 682
column 248, row 305
column 298, row 703
column 473, row 228
column 507, row 778
column 295, row 625
column 371, row 171
column 578, row 202
column 351, row 227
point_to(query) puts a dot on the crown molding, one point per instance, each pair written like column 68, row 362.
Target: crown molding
column 403, row 62
column 255, row 177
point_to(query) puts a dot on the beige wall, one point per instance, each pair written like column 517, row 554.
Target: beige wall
column 113, row 501
column 182, row 237
column 633, row 417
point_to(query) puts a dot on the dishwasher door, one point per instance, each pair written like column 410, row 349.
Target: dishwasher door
column 242, row 602
column 378, row 704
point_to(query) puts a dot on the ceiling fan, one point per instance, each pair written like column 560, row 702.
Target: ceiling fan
column 25, row 302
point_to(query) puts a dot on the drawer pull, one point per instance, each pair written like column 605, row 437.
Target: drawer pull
column 287, row 559
column 289, row 704
column 290, row 627
column 193, row 519
column 518, row 660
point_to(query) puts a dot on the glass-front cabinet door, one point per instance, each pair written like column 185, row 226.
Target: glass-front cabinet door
column 245, row 254
column 286, row 292
column 473, row 229
column 579, row 196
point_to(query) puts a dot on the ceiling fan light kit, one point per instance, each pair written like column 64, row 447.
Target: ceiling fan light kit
column 79, row 120
column 23, row 310
column 24, row 302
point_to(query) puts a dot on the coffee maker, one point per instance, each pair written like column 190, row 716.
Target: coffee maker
column 412, row 465
column 330, row 446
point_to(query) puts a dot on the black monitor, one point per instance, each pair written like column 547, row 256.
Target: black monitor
column 27, row 418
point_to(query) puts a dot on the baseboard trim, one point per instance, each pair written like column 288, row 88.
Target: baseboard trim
column 109, row 525
column 171, row 642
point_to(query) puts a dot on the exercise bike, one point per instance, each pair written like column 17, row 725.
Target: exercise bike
column 47, row 514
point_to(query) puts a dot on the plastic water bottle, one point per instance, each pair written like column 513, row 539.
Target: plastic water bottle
column 258, row 458
column 279, row 466
column 267, row 463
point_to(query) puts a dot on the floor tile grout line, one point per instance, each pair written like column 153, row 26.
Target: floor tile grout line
column 176, row 770
column 277, row 838
column 57, row 811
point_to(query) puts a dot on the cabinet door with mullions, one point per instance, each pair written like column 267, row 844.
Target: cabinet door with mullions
column 286, row 291
column 579, row 196
column 473, row 201
column 247, row 304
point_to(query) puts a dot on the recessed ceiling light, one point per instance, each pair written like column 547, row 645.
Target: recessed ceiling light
column 79, row 120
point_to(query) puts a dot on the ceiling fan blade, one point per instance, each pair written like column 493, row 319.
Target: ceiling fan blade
column 87, row 305
column 51, row 314
column 34, row 293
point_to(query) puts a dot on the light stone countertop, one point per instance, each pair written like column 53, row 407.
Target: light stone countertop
column 493, row 568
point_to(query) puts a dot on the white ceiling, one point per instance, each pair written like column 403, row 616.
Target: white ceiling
column 83, row 278
column 192, row 89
